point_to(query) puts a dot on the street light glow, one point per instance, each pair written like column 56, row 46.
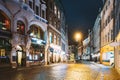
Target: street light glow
column 77, row 36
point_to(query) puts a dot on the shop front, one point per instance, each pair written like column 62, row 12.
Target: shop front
column 37, row 53
column 5, row 48
column 37, row 49
column 5, row 39
column 107, row 55
column 55, row 53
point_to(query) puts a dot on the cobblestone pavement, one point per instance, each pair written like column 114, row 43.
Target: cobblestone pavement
column 78, row 71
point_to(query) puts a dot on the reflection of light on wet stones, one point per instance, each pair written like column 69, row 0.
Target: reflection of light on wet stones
column 78, row 75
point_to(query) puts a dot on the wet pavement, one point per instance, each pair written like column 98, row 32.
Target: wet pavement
column 63, row 71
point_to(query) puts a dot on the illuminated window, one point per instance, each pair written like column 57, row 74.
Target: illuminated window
column 55, row 9
column 58, row 14
column 36, row 32
column 50, row 37
column 20, row 27
column 55, row 39
column 55, row 24
column 4, row 22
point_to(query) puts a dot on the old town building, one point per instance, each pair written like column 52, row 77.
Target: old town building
column 96, row 39
column 107, row 24
column 57, row 40
column 23, row 29
column 116, row 42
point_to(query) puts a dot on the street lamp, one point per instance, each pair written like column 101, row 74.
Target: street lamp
column 77, row 36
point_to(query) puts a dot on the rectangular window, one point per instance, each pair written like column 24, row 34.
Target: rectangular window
column 51, row 5
column 111, row 35
column 63, row 46
column 108, row 19
column 108, row 2
column 58, row 40
column 50, row 37
column 40, row 10
column 30, row 4
column 50, row 20
column 55, row 39
column 58, row 14
column 34, row 5
column 55, row 24
column 106, row 23
column 112, row 14
column 43, row 14
column 106, row 7
column 37, row 10
column 108, row 37
column 55, row 10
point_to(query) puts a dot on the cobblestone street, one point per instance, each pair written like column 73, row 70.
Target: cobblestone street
column 61, row 71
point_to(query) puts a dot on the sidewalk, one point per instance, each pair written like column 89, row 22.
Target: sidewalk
column 106, row 72
column 100, row 65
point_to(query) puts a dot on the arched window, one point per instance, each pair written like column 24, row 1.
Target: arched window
column 4, row 22
column 20, row 27
column 36, row 31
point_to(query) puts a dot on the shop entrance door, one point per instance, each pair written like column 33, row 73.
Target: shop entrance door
column 19, row 61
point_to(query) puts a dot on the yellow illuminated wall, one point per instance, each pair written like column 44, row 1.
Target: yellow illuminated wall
column 103, row 50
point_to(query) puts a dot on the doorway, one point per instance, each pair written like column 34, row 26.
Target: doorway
column 19, row 59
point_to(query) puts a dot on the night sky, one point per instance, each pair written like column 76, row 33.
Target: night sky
column 80, row 15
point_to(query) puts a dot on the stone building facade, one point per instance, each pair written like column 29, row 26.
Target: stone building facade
column 107, row 25
column 96, row 39
column 116, row 42
column 57, row 33
column 23, row 28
